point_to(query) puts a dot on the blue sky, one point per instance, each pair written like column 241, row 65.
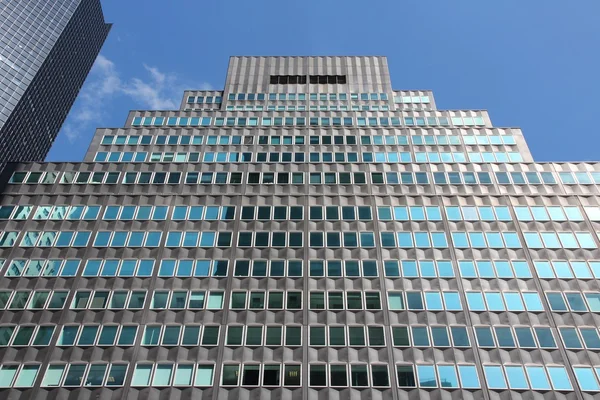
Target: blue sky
column 533, row 64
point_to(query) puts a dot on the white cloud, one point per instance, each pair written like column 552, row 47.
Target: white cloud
column 152, row 93
column 70, row 132
column 156, row 91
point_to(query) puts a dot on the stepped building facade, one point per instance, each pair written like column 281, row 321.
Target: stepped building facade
column 307, row 232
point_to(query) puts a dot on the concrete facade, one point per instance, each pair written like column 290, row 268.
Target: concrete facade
column 295, row 240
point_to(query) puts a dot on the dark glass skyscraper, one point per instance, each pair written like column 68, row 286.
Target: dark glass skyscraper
column 308, row 232
column 47, row 48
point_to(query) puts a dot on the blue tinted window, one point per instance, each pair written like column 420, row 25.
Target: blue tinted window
column 426, row 375
column 557, row 302
column 420, row 336
column 516, row 377
column 469, row 378
column 460, row 240
column 448, row 376
column 452, row 301
column 586, row 379
column 484, row 336
column 475, row 301
column 537, row 377
column 494, row 377
column 560, row 379
column 391, row 268
column 532, row 301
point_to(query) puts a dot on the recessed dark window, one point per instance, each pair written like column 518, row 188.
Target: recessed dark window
column 288, row 79
column 328, row 79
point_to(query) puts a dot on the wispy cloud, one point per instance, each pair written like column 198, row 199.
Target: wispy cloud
column 152, row 92
column 155, row 90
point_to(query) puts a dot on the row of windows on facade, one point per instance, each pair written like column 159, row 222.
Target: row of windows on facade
column 428, row 140
column 477, row 301
column 312, row 121
column 297, row 213
column 264, row 239
column 314, row 178
column 271, row 107
column 304, row 96
column 417, row 336
column 303, row 79
column 497, row 377
column 318, row 96
column 313, row 157
column 294, row 268
column 205, row 99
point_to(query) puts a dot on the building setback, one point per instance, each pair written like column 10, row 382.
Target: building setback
column 47, row 48
column 306, row 232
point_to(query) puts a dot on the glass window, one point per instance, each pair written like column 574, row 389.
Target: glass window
column 26, row 376
column 460, row 337
column 468, row 377
column 505, row 336
column 484, row 336
column 494, row 377
column 396, row 301
column 440, row 336
column 586, row 379
column 545, row 337
column 358, row 375
column 204, row 375
column 494, row 301
column 557, row 302
column 590, row 337
column 406, row 376
column 317, row 375
column 426, row 375
column 525, row 337
column 538, row 378
column 433, row 301
column 291, row 375
column 52, row 378
column 380, row 376
column 75, row 375
column 230, row 375
column 7, row 375
column 516, row 377
column 95, row 376
column 475, row 301
column 447, row 374
column 560, row 379
column 420, row 336
column 400, row 336
column 271, row 375
column 570, row 338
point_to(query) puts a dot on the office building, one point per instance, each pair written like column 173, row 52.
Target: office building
column 308, row 232
column 47, row 48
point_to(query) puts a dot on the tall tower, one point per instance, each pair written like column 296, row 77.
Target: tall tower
column 47, row 48
column 308, row 232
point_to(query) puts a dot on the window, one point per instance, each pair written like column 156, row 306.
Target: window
column 447, row 376
column 327, row 79
column 426, row 376
column 468, row 377
column 286, row 80
column 406, row 376
column 495, row 377
column 586, row 379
